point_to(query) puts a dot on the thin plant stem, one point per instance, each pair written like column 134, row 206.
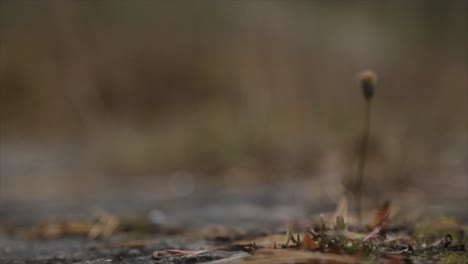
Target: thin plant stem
column 361, row 170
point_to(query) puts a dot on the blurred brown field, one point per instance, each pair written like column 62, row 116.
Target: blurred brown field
column 135, row 96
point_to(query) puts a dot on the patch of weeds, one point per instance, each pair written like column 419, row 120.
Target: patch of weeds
column 382, row 242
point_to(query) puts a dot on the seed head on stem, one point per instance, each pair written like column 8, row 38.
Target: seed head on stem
column 368, row 80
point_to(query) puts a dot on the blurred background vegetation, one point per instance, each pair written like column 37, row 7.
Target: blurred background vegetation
column 102, row 98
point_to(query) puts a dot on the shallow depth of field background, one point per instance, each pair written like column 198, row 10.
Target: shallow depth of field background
column 157, row 99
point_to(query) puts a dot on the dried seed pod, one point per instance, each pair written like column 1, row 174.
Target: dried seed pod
column 368, row 82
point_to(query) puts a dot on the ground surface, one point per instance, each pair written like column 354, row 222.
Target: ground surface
column 197, row 223
column 58, row 233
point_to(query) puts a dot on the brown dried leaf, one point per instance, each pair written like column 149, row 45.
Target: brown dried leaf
column 384, row 210
column 308, row 242
column 384, row 213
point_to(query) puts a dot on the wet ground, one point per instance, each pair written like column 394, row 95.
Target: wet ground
column 203, row 220
column 82, row 250
column 197, row 223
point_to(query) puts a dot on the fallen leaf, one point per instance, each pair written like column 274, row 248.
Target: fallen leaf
column 308, row 242
column 384, row 210
column 384, row 217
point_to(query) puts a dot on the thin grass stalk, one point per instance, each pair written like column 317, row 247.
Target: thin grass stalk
column 368, row 80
